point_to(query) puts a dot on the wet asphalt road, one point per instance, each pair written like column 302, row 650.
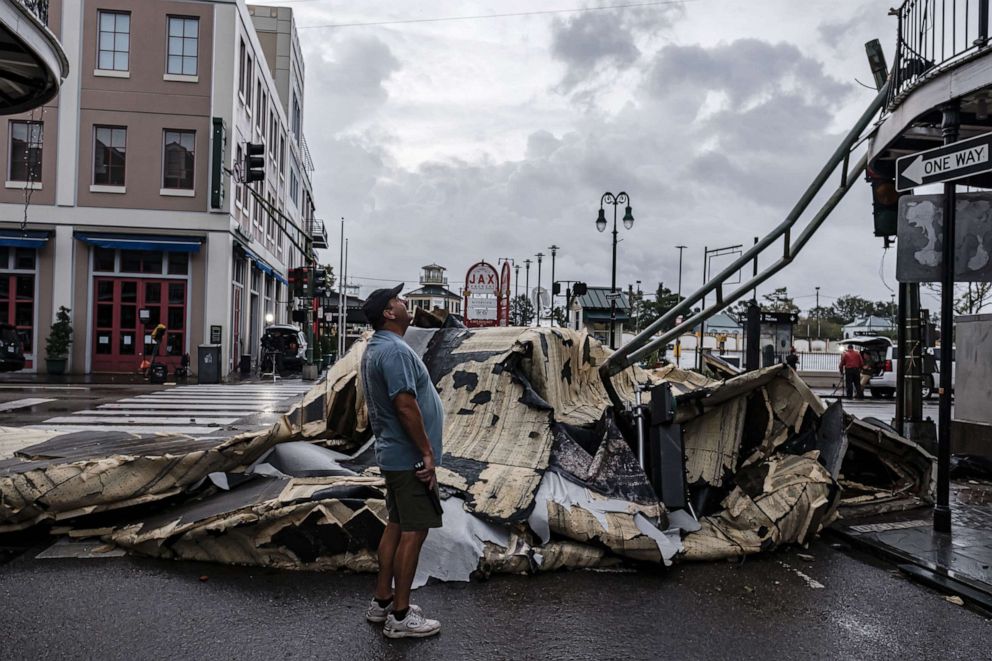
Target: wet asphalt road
column 134, row 608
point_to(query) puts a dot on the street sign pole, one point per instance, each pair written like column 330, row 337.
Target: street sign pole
column 942, row 510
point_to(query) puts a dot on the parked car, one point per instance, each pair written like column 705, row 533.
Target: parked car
column 11, row 349
column 288, row 344
column 883, row 356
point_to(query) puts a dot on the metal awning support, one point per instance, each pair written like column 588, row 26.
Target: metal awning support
column 644, row 343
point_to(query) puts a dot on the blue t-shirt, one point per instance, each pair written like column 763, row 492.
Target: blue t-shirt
column 390, row 367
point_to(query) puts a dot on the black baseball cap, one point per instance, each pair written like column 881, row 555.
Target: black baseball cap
column 377, row 301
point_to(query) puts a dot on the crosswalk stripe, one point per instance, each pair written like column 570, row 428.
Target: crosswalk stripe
column 226, row 408
column 136, row 429
column 88, row 419
column 195, row 410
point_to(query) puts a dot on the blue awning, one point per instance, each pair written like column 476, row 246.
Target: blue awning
column 163, row 243
column 23, row 239
column 263, row 266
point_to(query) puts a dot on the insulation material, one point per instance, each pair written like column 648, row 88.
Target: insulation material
column 787, row 499
column 78, row 473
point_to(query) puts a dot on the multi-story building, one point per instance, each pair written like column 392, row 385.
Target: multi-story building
column 122, row 198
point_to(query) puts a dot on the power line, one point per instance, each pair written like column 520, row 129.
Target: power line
column 439, row 19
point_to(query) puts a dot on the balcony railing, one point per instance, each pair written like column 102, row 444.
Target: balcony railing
column 933, row 35
column 315, row 228
column 37, row 7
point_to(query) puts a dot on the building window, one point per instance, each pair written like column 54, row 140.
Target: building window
column 248, row 88
column 183, row 40
column 296, row 117
column 282, row 154
column 178, row 159
column 258, row 102
column 109, row 155
column 239, row 160
column 114, row 41
column 241, row 68
column 294, row 188
column 25, row 151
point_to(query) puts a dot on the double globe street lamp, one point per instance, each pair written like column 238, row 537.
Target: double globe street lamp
column 628, row 222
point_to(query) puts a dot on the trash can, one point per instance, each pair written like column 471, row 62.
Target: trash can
column 208, row 363
column 158, row 373
column 245, row 366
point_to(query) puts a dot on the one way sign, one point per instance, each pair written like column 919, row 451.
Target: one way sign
column 954, row 161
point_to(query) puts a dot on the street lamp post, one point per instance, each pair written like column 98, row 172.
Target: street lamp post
column 628, row 222
column 818, row 312
column 554, row 251
column 678, row 299
column 537, row 303
column 527, row 264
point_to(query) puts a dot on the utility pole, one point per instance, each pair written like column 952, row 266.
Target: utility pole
column 554, row 251
column 341, row 295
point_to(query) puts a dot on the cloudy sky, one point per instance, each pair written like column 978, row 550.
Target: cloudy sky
column 442, row 135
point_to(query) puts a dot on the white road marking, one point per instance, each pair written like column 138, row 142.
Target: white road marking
column 810, row 581
column 84, row 417
column 22, row 403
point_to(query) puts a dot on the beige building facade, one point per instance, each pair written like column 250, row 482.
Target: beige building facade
column 121, row 197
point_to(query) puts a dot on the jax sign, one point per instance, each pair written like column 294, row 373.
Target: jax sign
column 484, row 304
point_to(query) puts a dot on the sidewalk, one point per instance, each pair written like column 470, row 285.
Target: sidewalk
column 958, row 563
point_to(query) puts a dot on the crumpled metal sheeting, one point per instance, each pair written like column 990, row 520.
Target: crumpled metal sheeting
column 786, row 499
column 682, row 381
column 282, row 523
column 712, row 442
column 909, row 478
column 70, row 475
column 570, row 510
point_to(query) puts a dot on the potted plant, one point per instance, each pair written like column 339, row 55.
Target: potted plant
column 57, row 344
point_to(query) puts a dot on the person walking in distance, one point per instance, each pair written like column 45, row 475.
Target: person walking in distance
column 851, row 363
column 407, row 419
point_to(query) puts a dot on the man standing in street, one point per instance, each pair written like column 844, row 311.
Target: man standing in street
column 850, row 368
column 407, row 419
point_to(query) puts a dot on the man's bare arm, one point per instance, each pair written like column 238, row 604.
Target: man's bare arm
column 410, row 417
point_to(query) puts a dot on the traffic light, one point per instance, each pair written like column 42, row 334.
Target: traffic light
column 556, row 288
column 297, row 280
column 254, row 162
column 884, row 205
column 319, row 282
column 580, row 289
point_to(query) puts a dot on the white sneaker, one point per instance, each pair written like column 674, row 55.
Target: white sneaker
column 414, row 625
column 376, row 613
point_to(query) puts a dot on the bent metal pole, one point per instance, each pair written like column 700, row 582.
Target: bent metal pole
column 646, row 340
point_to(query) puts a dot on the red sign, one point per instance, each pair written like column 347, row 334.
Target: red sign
column 504, row 291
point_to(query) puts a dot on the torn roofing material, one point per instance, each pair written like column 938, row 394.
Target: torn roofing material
column 66, row 475
column 536, row 473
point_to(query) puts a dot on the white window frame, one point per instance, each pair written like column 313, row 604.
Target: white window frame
column 114, row 70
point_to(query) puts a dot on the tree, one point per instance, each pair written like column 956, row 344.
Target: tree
column 779, row 301
column 973, row 297
column 521, row 311
column 849, row 307
column 560, row 316
column 645, row 312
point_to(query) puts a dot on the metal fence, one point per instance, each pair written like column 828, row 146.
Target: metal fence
column 809, row 361
column 37, row 7
column 932, row 34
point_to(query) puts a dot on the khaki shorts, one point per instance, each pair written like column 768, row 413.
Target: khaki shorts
column 408, row 502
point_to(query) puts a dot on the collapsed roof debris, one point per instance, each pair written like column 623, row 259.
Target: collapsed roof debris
column 537, row 474
column 55, row 476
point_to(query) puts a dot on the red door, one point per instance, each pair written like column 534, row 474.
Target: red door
column 126, row 312
column 17, row 307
